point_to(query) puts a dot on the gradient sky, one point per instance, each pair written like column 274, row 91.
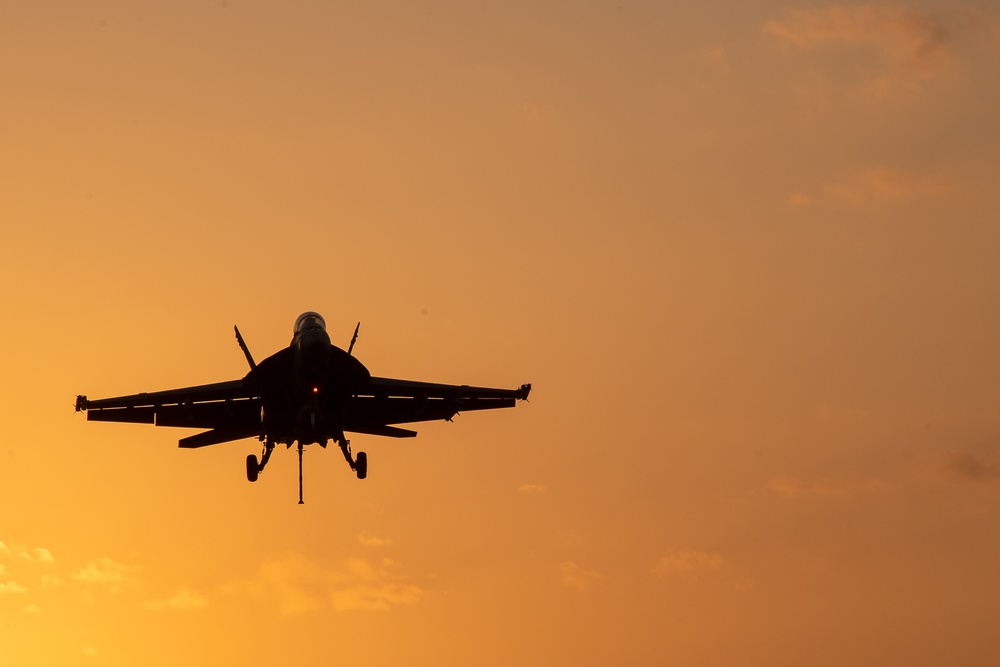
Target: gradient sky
column 746, row 252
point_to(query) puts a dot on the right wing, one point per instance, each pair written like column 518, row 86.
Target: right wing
column 386, row 401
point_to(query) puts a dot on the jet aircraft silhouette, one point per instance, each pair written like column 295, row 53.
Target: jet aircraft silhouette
column 311, row 392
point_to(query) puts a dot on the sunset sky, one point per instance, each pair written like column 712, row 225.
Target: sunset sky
column 746, row 252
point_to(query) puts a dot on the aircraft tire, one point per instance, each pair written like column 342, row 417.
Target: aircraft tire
column 252, row 469
column 362, row 465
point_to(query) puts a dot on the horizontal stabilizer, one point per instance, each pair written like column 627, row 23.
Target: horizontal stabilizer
column 387, row 431
column 215, row 437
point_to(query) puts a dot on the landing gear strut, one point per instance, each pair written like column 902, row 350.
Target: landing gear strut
column 358, row 465
column 253, row 468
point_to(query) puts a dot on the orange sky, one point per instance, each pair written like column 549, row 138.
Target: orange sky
column 745, row 252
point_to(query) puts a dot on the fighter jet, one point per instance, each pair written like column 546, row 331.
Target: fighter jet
column 309, row 393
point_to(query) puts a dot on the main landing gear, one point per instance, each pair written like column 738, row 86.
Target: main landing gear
column 253, row 468
column 358, row 464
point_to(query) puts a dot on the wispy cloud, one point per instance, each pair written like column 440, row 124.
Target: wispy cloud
column 795, row 487
column 574, row 576
column 689, row 562
column 44, row 555
column 533, row 489
column 910, row 45
column 531, row 114
column 861, row 187
column 976, row 467
column 22, row 561
column 908, row 38
column 12, row 588
column 370, row 540
column 798, row 199
column 50, row 580
column 717, row 57
column 299, row 585
column 885, row 183
column 31, row 571
column 186, row 599
column 967, row 467
column 373, row 586
column 27, row 554
column 106, row 572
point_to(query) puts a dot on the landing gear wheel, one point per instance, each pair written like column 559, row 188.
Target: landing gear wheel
column 362, row 465
column 252, row 469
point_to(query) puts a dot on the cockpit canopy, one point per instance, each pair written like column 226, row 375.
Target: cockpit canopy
column 309, row 320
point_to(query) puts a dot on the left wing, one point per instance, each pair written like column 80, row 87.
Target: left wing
column 386, row 401
column 230, row 409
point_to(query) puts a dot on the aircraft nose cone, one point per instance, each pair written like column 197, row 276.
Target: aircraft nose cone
column 314, row 350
